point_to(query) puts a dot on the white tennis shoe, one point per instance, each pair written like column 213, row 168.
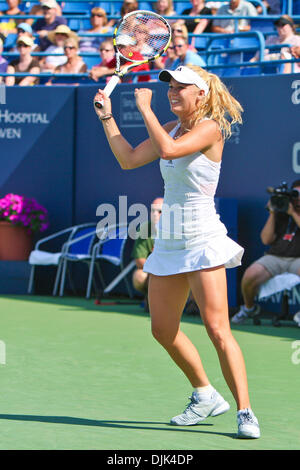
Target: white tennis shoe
column 248, row 427
column 199, row 409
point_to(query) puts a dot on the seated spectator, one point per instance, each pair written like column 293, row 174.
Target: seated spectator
column 143, row 247
column 184, row 55
column 8, row 26
column 128, row 6
column 23, row 29
column 38, row 11
column 57, row 38
column 273, row 7
column 165, row 8
column 25, row 63
column 286, row 30
column 3, row 62
column 107, row 65
column 197, row 26
column 74, row 63
column 166, row 61
column 179, row 29
column 100, row 25
column 234, row 8
column 49, row 23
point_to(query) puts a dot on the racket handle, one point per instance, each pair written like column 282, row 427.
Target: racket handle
column 111, row 85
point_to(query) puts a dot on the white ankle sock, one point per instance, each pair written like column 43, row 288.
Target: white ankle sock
column 204, row 392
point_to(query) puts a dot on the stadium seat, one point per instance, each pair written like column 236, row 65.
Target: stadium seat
column 77, row 7
column 244, row 42
column 111, row 249
column 58, row 243
column 145, row 6
column 263, row 25
column 90, row 61
column 77, row 250
column 180, row 6
column 296, row 7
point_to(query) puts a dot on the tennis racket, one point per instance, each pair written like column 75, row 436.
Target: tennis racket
column 139, row 37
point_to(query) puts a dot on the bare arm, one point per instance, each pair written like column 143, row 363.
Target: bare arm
column 9, row 81
column 127, row 156
column 29, row 80
column 205, row 136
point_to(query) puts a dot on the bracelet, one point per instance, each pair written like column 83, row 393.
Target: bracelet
column 105, row 117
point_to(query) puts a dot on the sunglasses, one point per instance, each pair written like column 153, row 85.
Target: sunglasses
column 106, row 50
column 69, row 47
column 97, row 14
column 21, row 44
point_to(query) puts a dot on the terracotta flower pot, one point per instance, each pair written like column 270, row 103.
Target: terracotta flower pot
column 15, row 242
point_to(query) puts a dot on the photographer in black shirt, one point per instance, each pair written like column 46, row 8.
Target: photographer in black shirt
column 282, row 233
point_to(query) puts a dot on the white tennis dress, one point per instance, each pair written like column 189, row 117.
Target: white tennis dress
column 190, row 235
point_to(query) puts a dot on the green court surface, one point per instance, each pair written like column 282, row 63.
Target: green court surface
column 75, row 375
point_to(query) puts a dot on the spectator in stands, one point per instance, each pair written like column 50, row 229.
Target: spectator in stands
column 164, row 8
column 179, row 29
column 286, row 30
column 273, row 7
column 282, row 233
column 107, row 65
column 38, row 11
column 8, row 26
column 23, row 29
column 3, row 62
column 25, row 63
column 128, row 6
column 143, row 247
column 166, row 61
column 49, row 23
column 57, row 38
column 184, row 55
column 100, row 25
column 234, row 8
column 74, row 63
column 110, row 65
column 201, row 25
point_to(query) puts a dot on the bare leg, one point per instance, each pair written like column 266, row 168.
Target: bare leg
column 253, row 278
column 209, row 288
column 167, row 298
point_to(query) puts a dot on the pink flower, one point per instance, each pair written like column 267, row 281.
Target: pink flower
column 23, row 211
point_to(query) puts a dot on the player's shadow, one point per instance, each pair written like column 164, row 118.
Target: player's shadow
column 146, row 425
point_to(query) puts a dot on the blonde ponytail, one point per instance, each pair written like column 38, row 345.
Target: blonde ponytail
column 219, row 104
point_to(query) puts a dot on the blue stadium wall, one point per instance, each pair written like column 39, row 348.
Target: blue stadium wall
column 53, row 148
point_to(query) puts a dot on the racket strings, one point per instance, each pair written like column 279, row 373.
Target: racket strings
column 142, row 36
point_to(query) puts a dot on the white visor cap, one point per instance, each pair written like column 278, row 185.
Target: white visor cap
column 184, row 75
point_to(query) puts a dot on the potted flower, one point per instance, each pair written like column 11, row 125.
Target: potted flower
column 20, row 218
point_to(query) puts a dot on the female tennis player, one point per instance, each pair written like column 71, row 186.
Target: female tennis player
column 192, row 248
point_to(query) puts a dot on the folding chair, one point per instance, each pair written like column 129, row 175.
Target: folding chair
column 111, row 248
column 40, row 257
column 77, row 250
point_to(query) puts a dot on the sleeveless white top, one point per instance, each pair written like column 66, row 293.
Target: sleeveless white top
column 190, row 235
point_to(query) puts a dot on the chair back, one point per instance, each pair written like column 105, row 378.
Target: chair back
column 85, row 244
column 114, row 243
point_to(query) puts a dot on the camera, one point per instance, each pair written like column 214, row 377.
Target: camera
column 281, row 197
